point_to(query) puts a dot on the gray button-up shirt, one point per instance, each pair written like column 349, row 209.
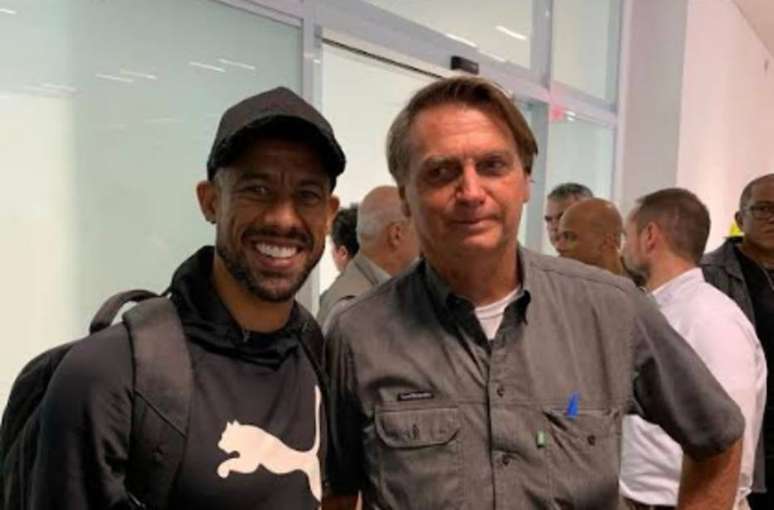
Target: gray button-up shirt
column 426, row 413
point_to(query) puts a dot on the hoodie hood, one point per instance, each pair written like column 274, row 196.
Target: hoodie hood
column 207, row 321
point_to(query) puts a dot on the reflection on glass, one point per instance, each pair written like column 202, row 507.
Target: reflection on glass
column 585, row 45
column 107, row 113
column 499, row 29
column 579, row 151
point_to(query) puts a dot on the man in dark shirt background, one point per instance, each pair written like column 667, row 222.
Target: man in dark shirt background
column 344, row 245
column 744, row 269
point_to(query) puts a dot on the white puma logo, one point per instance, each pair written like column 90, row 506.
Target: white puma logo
column 257, row 447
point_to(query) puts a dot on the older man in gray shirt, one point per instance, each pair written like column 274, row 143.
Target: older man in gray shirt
column 493, row 377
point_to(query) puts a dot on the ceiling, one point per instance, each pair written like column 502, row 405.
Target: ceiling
column 760, row 14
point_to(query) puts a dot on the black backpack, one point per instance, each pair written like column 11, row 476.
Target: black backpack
column 163, row 383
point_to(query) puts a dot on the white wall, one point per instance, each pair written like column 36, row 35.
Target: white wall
column 652, row 106
column 727, row 111
column 38, row 215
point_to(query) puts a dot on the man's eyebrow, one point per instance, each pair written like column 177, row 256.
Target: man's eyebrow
column 505, row 154
column 441, row 160
column 249, row 175
column 313, row 181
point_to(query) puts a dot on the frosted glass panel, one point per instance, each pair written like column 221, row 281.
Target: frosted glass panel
column 585, row 46
column 501, row 29
column 355, row 83
column 107, row 113
column 579, row 151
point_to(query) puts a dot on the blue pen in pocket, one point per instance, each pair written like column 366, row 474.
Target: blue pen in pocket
column 572, row 405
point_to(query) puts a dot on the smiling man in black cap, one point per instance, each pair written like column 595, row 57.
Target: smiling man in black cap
column 255, row 435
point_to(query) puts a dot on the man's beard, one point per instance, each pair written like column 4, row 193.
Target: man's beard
column 640, row 272
column 260, row 285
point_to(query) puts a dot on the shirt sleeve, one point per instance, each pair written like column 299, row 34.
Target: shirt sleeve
column 345, row 455
column 675, row 390
column 85, row 422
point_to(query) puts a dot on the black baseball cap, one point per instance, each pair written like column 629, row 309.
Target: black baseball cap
column 277, row 113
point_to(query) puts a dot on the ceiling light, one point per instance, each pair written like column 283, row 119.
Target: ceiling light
column 207, row 66
column 3, row 10
column 44, row 91
column 508, row 31
column 113, row 77
column 235, row 63
column 59, row 88
column 138, row 74
column 461, row 39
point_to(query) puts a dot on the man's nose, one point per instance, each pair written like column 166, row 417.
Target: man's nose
column 469, row 189
column 281, row 213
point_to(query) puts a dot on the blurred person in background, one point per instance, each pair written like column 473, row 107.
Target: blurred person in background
column 743, row 268
column 388, row 244
column 557, row 201
column 590, row 231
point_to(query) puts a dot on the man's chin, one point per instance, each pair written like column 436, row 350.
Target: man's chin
column 274, row 292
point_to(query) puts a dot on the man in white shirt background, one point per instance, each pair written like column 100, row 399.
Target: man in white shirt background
column 665, row 238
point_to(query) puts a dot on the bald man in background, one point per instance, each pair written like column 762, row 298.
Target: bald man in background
column 590, row 232
column 388, row 245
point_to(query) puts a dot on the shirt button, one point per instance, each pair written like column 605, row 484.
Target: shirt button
column 506, row 459
column 500, row 391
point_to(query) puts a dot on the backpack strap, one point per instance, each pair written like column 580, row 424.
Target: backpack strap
column 163, row 384
column 107, row 312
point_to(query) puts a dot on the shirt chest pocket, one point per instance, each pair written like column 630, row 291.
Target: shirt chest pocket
column 419, row 458
column 583, row 458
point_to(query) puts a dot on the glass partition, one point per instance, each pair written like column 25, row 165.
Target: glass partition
column 579, row 151
column 107, row 113
column 586, row 45
column 500, row 29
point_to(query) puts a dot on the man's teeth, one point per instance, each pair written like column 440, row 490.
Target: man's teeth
column 277, row 252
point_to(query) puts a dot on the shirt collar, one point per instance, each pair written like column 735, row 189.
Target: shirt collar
column 674, row 287
column 372, row 271
column 442, row 294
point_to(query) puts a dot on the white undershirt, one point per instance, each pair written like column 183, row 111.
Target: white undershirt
column 491, row 316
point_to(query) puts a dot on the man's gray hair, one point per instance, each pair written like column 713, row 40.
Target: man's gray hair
column 380, row 208
column 371, row 223
column 572, row 190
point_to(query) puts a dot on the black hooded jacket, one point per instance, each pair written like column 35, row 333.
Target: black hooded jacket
column 256, row 436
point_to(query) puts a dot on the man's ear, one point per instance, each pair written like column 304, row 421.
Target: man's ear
column 652, row 233
column 608, row 241
column 404, row 207
column 208, row 194
column 739, row 220
column 333, row 208
column 527, row 186
column 395, row 234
